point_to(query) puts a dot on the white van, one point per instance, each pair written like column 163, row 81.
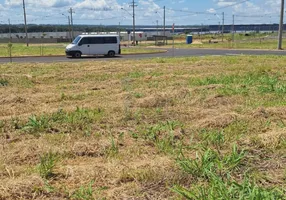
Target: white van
column 108, row 45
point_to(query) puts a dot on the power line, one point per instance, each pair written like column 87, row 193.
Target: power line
column 240, row 2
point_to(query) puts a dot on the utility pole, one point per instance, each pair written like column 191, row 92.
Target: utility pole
column 232, row 28
column 10, row 39
column 69, row 27
column 119, row 30
column 71, row 12
column 222, row 28
column 133, row 6
column 201, row 35
column 157, row 27
column 280, row 36
column 164, row 21
column 69, row 21
column 25, row 20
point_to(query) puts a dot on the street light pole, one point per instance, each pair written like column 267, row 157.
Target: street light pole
column 70, row 36
column 133, row 24
column 71, row 20
column 25, row 20
column 69, row 27
column 10, row 36
column 133, row 6
column 222, row 29
column 280, row 36
column 232, row 28
column 157, row 27
column 164, row 21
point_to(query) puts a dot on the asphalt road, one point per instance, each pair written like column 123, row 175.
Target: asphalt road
column 170, row 53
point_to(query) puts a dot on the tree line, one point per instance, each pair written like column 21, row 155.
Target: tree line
column 4, row 28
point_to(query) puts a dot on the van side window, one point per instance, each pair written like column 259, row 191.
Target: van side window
column 97, row 40
column 85, row 40
column 110, row 40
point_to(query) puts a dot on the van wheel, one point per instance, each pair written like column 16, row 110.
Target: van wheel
column 111, row 54
column 77, row 54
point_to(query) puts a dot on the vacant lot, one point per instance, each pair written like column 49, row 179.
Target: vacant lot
column 200, row 128
column 270, row 44
column 214, row 41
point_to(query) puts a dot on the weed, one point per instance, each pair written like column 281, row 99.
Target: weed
column 79, row 119
column 4, row 82
column 47, row 164
column 234, row 84
column 84, row 192
column 16, row 123
column 166, row 144
column 36, row 124
column 153, row 84
column 138, row 95
column 234, row 159
column 63, row 96
column 210, row 161
column 113, row 149
column 201, row 166
column 136, row 74
column 48, row 187
column 218, row 189
column 134, row 135
column 159, row 111
column 2, row 124
column 162, row 136
column 214, row 138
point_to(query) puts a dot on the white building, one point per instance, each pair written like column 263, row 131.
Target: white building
column 139, row 36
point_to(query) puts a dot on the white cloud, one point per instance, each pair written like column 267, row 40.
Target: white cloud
column 211, row 10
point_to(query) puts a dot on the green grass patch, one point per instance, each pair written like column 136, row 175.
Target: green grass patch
column 3, row 82
column 61, row 121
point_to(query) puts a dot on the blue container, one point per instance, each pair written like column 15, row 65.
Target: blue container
column 189, row 39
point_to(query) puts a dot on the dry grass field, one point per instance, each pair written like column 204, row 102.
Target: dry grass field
column 165, row 128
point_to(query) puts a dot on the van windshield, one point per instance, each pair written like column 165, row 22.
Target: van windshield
column 76, row 40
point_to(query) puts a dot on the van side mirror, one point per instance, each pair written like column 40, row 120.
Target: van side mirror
column 79, row 44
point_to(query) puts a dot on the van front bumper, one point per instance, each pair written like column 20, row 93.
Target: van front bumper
column 69, row 53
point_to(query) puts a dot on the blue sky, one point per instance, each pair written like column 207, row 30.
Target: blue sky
column 109, row 12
